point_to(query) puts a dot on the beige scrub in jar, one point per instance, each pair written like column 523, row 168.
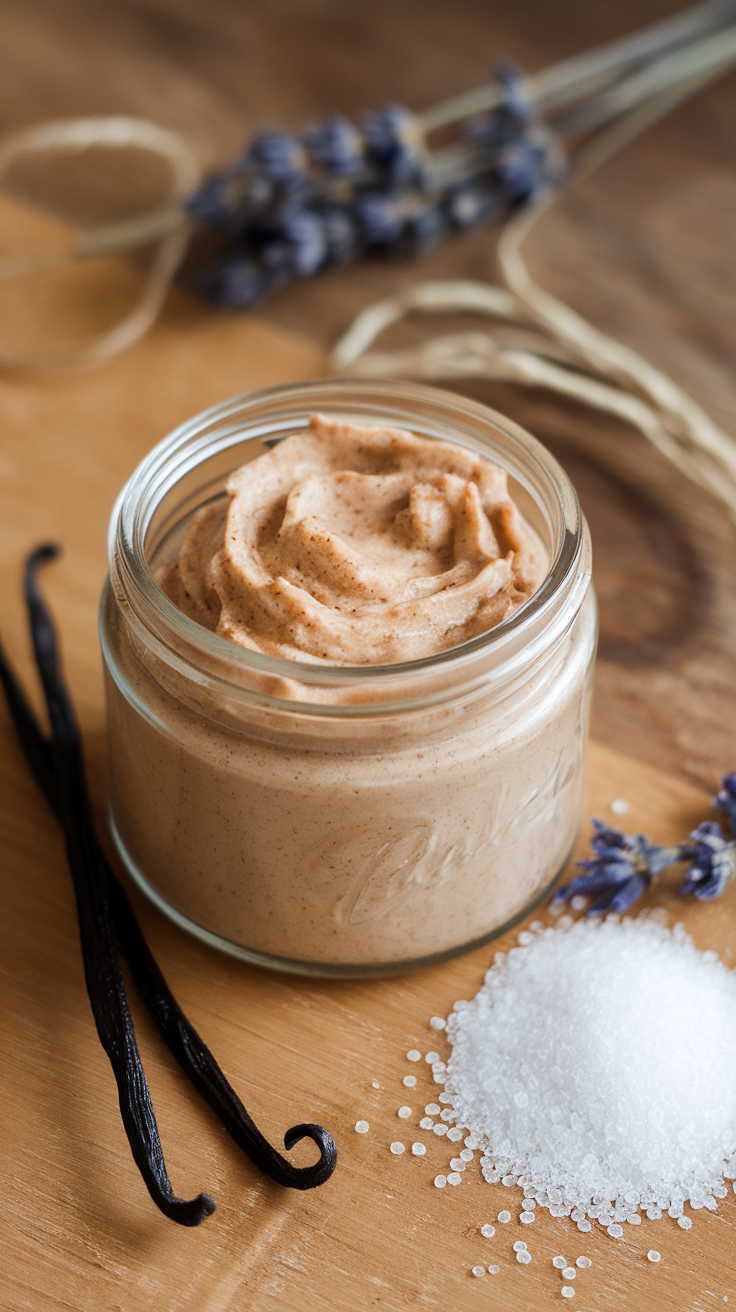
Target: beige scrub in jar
column 347, row 723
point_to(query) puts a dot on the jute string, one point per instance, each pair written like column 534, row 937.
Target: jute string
column 574, row 359
column 76, row 135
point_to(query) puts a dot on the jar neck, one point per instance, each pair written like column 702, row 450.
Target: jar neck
column 189, row 467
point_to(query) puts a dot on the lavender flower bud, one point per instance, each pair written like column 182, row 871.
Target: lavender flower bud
column 336, row 146
column 622, row 869
column 713, row 861
column 725, row 800
column 387, row 134
column 234, row 283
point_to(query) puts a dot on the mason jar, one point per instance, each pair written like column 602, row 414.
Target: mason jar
column 343, row 820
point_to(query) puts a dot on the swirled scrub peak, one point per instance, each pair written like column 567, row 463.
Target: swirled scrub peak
column 357, row 545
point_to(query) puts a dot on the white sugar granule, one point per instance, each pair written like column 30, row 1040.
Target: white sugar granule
column 596, row 1068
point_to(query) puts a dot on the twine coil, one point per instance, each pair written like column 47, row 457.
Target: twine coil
column 172, row 235
column 577, row 360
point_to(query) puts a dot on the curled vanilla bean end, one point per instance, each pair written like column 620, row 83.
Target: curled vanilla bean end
column 306, row 1177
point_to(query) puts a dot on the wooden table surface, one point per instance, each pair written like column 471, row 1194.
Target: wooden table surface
column 646, row 251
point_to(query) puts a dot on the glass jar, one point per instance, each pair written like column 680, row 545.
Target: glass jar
column 333, row 820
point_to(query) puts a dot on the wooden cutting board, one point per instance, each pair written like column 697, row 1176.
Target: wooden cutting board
column 80, row 1231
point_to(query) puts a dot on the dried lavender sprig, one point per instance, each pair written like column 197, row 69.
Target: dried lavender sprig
column 625, row 864
column 622, row 869
column 293, row 204
column 672, row 70
column 181, row 1037
column 572, row 78
column 186, row 1045
column 712, row 858
column 364, row 190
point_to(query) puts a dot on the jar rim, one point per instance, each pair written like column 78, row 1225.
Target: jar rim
column 422, row 409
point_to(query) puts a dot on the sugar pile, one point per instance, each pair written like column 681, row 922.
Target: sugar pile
column 596, row 1067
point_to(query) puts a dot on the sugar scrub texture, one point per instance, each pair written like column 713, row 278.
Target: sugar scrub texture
column 356, row 544
column 597, row 1067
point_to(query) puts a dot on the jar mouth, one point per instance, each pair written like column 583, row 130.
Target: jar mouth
column 146, row 511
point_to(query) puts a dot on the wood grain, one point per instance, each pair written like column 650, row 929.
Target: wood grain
column 646, row 251
column 81, row 1230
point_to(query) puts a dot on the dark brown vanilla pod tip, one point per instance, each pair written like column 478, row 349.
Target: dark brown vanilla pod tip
column 190, row 1213
column 44, row 551
column 36, row 747
column 308, row 1177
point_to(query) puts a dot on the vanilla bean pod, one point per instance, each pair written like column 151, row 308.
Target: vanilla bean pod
column 105, row 984
column 200, row 1066
column 36, row 746
column 182, row 1039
